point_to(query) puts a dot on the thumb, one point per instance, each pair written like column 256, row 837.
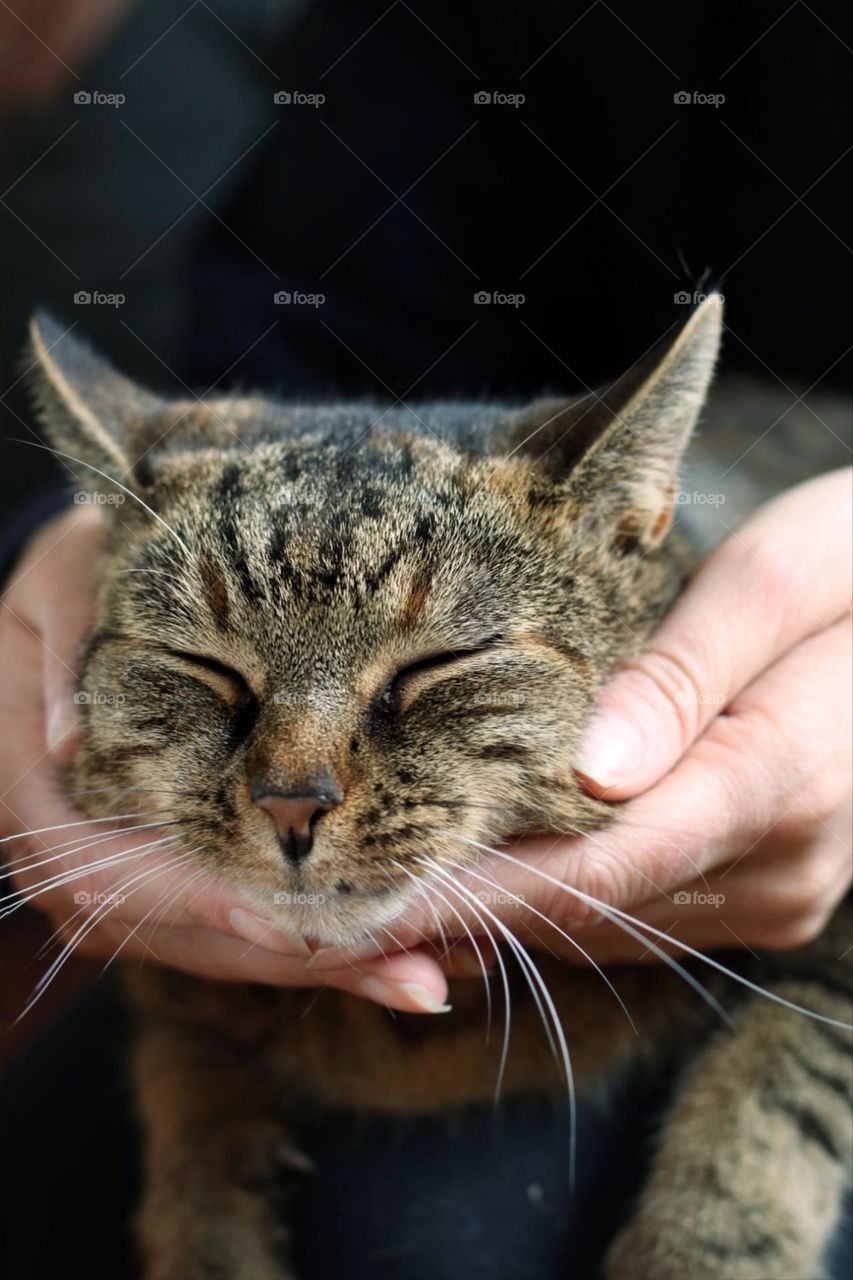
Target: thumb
column 61, row 695
column 65, row 611
column 763, row 591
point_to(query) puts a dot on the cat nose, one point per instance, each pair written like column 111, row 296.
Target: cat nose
column 295, row 813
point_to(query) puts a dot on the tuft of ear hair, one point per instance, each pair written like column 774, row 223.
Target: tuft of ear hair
column 614, row 455
column 89, row 411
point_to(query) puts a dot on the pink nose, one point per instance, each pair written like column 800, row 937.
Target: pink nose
column 295, row 815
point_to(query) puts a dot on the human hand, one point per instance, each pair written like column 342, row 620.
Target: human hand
column 44, row 44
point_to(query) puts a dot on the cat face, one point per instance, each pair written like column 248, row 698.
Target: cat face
column 328, row 647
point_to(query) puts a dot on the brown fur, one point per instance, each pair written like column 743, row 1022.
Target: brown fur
column 312, row 556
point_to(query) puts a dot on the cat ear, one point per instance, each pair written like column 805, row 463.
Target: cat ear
column 615, row 455
column 90, row 413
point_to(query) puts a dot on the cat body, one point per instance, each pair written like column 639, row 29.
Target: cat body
column 357, row 648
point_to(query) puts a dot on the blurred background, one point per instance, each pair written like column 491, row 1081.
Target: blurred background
column 334, row 198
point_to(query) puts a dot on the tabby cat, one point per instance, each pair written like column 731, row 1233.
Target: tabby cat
column 357, row 647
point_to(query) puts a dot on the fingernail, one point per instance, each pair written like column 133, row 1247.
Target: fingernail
column 264, row 933
column 611, row 749
column 389, row 993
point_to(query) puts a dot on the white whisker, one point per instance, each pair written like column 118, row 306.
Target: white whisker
column 422, row 892
column 522, row 902
column 623, row 917
column 136, row 498
column 102, row 910
column 532, row 975
column 84, row 822
column 73, row 846
column 77, row 873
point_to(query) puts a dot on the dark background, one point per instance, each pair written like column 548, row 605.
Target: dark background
column 599, row 198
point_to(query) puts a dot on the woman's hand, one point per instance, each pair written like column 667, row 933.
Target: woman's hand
column 204, row 929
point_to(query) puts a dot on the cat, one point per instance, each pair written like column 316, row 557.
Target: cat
column 357, row 647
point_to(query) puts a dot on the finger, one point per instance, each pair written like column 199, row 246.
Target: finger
column 411, row 983
column 763, row 904
column 783, row 577
column 66, row 602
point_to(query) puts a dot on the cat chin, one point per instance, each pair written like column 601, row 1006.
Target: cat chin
column 337, row 920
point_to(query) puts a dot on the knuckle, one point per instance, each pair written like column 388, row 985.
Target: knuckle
column 675, row 679
column 767, row 562
column 602, row 880
column 789, row 934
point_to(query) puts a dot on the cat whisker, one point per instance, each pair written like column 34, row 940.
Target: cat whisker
column 472, row 897
column 621, row 918
column 533, row 976
column 35, row 891
column 191, row 876
column 397, row 943
column 55, row 937
column 111, row 479
column 124, row 791
column 673, row 844
column 97, row 917
column 504, row 984
column 84, row 822
column 670, row 961
column 422, row 893
column 562, row 932
column 72, row 847
column 156, row 923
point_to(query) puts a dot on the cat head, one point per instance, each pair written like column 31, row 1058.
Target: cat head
column 334, row 642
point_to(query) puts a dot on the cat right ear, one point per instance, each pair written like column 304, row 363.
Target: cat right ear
column 613, row 456
column 90, row 412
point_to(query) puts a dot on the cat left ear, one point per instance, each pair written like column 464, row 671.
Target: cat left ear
column 89, row 411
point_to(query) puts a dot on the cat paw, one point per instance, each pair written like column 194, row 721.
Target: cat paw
column 216, row 1247
column 651, row 1250
column 220, row 1255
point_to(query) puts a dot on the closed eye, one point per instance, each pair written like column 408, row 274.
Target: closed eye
column 236, row 682
column 391, row 697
